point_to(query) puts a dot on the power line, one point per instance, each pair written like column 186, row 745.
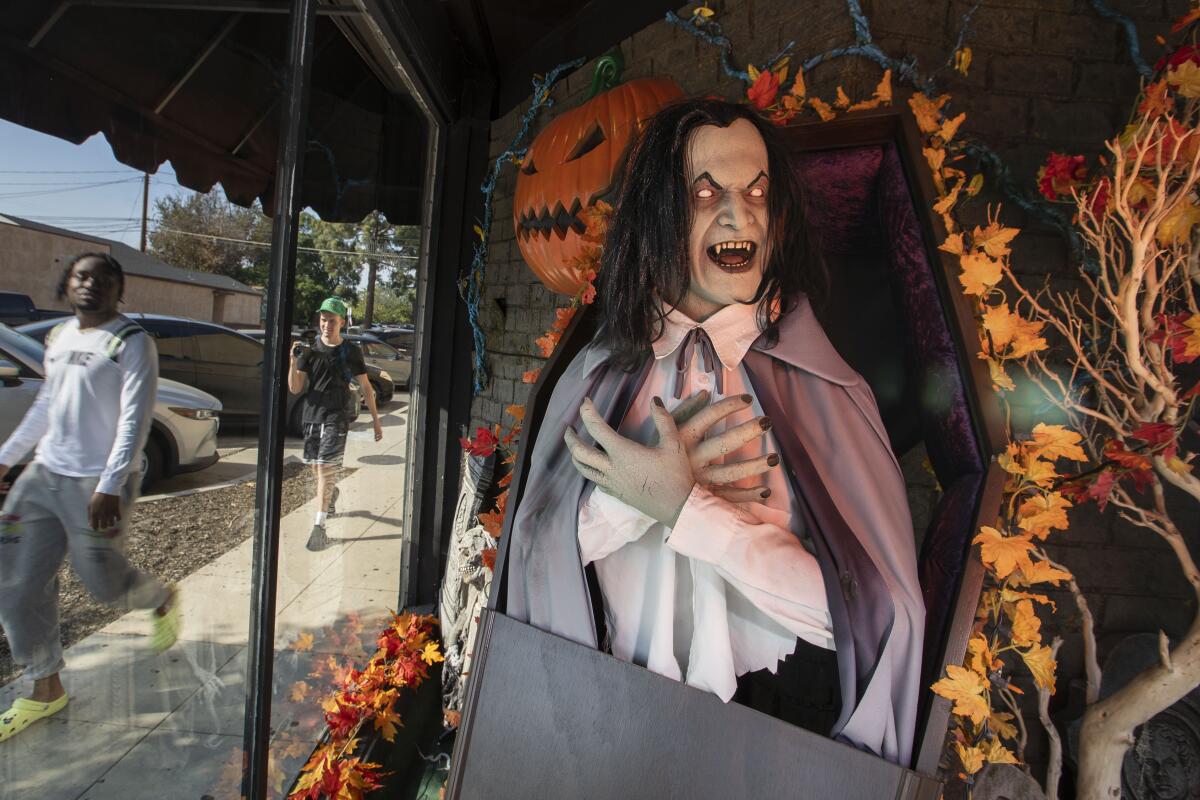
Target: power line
column 75, row 188
column 384, row 256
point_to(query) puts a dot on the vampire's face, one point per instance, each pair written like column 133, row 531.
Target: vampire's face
column 727, row 173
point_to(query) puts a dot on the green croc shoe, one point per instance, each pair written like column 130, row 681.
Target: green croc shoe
column 25, row 712
column 167, row 624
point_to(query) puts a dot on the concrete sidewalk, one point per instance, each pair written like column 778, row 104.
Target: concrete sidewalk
column 141, row 725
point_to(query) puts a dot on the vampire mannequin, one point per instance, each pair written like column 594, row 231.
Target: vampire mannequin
column 709, row 460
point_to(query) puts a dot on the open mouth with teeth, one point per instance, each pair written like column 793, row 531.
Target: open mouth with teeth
column 733, row 256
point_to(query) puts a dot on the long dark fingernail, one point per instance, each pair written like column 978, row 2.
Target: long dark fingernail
column 773, row 459
column 658, row 402
column 764, row 494
column 747, row 398
column 765, row 422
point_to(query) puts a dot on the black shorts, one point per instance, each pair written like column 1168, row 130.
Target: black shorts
column 325, row 442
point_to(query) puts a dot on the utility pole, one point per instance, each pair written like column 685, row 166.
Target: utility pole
column 145, row 205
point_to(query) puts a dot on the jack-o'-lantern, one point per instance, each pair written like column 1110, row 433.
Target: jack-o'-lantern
column 572, row 163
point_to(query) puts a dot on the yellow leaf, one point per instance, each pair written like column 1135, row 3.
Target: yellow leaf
column 1176, row 227
column 299, row 692
column 1056, row 441
column 965, row 689
column 935, row 157
column 927, row 111
column 949, row 128
column 1177, row 464
column 1000, row 379
column 798, row 88
column 1027, row 468
column 303, row 643
column 823, row 109
column 516, row 412
column 841, row 100
column 979, row 273
column 478, row 231
column 703, row 11
column 994, row 239
column 996, row 753
column 962, row 60
column 883, row 92
column 1040, row 572
column 1009, row 330
column 1001, row 724
column 976, row 185
column 944, row 205
column 1041, row 663
column 1191, row 342
column 1185, row 78
column 979, row 655
column 971, row 758
column 1003, row 553
column 430, row 654
column 953, row 244
column 1026, row 627
column 1013, row 595
column 753, row 72
column 1043, row 513
column 385, row 722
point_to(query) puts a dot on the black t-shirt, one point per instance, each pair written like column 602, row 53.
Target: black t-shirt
column 330, row 370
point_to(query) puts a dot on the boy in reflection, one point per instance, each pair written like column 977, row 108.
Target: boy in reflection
column 330, row 363
column 775, row 516
column 89, row 424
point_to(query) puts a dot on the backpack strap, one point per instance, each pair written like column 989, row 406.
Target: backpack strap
column 53, row 334
column 117, row 340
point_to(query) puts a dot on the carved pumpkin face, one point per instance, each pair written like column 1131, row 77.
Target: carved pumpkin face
column 573, row 163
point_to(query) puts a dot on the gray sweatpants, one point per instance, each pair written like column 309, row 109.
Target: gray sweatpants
column 44, row 519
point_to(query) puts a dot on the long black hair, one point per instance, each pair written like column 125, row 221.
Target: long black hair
column 114, row 267
column 646, row 258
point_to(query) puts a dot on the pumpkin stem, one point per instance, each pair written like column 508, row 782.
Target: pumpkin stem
column 608, row 72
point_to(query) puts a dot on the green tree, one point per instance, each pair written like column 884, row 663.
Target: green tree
column 390, row 306
column 206, row 232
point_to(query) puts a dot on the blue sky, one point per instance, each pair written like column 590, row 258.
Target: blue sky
column 79, row 187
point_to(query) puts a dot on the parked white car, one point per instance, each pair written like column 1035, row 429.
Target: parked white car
column 183, row 433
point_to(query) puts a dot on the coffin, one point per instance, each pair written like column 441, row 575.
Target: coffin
column 546, row 717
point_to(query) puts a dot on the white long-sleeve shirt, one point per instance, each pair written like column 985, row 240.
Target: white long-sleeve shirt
column 92, row 414
column 729, row 588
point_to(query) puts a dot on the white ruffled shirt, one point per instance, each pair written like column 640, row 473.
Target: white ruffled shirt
column 731, row 586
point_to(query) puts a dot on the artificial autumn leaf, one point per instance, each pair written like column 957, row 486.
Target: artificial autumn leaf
column 1116, row 452
column 1186, row 79
column 1027, row 467
column 299, row 691
column 531, row 376
column 996, row 753
column 1056, row 441
column 1001, row 724
column 1156, row 433
column 1043, row 513
column 946, row 203
column 953, row 244
column 975, row 186
column 962, row 60
column 971, row 757
column 453, row 718
column 1156, row 101
column 547, row 342
column 1179, row 465
column 1008, row 330
column 1191, row 339
column 516, row 412
column 1040, row 660
column 994, row 239
column 1039, row 572
column 763, row 90
column 1003, row 553
column 949, row 128
column 492, row 522
column 823, row 109
column 1000, row 379
column 385, row 723
column 1060, row 174
column 1100, row 489
column 303, row 643
column 979, row 273
column 702, row 12
column 488, row 558
column 927, row 111
column 505, row 481
column 1176, row 226
column 1026, row 627
column 965, row 689
column 430, row 654
column 478, row 231
column 979, row 655
column 1185, row 20
column 883, row 92
column 841, row 100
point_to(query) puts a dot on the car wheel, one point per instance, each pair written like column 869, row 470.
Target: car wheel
column 153, row 463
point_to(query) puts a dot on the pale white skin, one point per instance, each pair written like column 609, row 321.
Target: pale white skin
column 728, row 175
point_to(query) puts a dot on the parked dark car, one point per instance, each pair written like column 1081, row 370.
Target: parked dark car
column 383, row 381
column 211, row 357
column 18, row 309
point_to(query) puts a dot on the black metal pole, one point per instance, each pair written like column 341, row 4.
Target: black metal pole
column 280, row 285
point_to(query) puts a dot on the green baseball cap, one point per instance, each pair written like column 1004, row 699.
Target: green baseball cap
column 334, row 306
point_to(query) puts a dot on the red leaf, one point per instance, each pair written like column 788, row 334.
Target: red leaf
column 1155, row 433
column 1101, row 488
column 1189, row 52
column 1117, row 452
column 762, row 93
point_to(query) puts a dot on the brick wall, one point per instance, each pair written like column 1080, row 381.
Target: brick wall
column 1047, row 75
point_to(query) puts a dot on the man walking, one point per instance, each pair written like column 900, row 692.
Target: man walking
column 89, row 424
column 330, row 363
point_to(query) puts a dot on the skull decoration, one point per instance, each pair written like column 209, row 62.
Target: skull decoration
column 573, row 163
